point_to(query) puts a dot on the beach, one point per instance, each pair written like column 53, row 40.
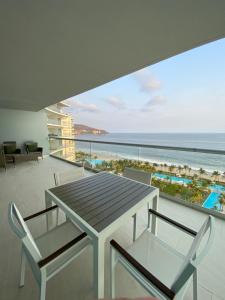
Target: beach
column 194, row 160
column 178, row 170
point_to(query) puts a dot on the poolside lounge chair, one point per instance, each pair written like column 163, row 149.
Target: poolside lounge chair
column 161, row 270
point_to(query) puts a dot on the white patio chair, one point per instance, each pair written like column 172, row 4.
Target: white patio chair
column 49, row 253
column 141, row 176
column 164, row 272
column 67, row 177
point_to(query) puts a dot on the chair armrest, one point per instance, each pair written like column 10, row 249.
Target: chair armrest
column 149, row 276
column 39, row 149
column 18, row 151
column 40, row 213
column 172, row 222
column 58, row 252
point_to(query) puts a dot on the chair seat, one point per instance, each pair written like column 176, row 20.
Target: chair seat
column 157, row 257
column 54, row 239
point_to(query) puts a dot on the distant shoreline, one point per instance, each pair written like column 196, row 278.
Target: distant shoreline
column 191, row 171
column 208, row 162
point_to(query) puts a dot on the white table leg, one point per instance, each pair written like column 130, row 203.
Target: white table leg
column 48, row 203
column 155, row 204
column 99, row 262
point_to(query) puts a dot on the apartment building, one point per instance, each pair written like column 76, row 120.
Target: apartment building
column 60, row 124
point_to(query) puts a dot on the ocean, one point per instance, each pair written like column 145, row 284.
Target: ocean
column 195, row 160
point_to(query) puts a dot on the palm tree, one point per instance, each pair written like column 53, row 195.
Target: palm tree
column 189, row 170
column 185, row 167
column 195, row 176
column 180, row 169
column 171, row 168
column 215, row 174
column 222, row 201
column 202, row 171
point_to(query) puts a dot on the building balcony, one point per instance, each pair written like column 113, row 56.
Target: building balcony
column 54, row 123
column 51, row 125
column 63, row 104
column 25, row 184
column 54, row 112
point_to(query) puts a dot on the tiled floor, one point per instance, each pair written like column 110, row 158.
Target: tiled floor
column 26, row 185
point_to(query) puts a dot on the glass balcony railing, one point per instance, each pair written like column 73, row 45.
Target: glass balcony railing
column 54, row 108
column 193, row 175
column 54, row 122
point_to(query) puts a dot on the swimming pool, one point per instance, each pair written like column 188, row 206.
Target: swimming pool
column 217, row 188
column 95, row 162
column 212, row 201
column 173, row 178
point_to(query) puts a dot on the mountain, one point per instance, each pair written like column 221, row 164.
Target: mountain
column 84, row 129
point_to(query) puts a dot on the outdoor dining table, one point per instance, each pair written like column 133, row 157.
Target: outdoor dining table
column 99, row 205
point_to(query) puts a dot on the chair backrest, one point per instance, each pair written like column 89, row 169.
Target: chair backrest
column 29, row 246
column 2, row 159
column 68, row 176
column 20, row 228
column 138, row 175
column 9, row 143
column 31, row 146
column 9, row 147
column 196, row 253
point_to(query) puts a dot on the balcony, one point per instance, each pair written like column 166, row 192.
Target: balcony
column 41, row 64
column 54, row 112
column 26, row 184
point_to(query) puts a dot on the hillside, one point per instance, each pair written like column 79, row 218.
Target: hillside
column 84, row 129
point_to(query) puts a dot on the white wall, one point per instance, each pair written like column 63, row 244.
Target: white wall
column 21, row 126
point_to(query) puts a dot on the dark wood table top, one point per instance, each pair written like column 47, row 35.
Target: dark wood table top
column 102, row 198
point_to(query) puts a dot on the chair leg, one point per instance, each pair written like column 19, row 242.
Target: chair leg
column 195, row 285
column 23, row 269
column 134, row 227
column 43, row 290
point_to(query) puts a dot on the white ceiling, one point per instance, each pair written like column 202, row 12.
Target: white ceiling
column 52, row 49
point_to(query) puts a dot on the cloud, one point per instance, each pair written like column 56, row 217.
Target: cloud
column 147, row 81
column 85, row 107
column 115, row 102
column 156, row 100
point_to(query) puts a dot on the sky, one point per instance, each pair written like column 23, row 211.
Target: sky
column 185, row 93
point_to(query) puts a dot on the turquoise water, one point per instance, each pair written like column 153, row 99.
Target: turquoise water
column 212, row 201
column 95, row 162
column 173, row 178
column 217, row 188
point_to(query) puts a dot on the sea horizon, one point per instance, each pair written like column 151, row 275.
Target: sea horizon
column 209, row 162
